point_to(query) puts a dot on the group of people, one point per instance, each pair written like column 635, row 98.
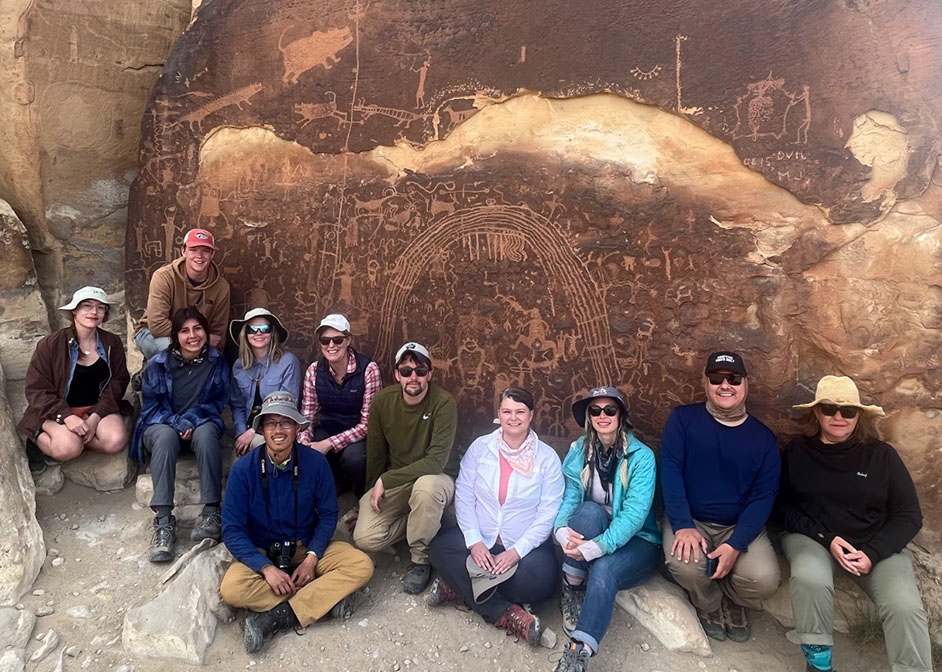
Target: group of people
column 524, row 524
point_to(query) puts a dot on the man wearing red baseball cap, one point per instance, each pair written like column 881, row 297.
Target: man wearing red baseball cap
column 191, row 280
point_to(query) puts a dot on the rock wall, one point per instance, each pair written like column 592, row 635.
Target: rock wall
column 583, row 194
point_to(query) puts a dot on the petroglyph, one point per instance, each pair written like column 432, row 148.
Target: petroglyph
column 320, row 48
column 403, row 118
column 239, row 97
column 645, row 75
column 764, row 112
column 311, row 111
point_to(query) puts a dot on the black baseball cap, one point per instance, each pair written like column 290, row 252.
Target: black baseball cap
column 725, row 361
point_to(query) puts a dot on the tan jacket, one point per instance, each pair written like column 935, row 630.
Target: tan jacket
column 171, row 289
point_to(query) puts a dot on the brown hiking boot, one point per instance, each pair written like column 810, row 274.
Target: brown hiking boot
column 737, row 621
column 441, row 593
column 520, row 622
column 713, row 624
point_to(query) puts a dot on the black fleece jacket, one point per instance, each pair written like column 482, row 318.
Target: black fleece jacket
column 861, row 492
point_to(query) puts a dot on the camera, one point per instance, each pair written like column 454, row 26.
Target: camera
column 281, row 553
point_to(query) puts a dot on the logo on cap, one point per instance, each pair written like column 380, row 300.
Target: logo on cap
column 200, row 235
column 724, row 358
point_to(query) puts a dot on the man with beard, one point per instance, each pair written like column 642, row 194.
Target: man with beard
column 408, row 443
column 720, row 472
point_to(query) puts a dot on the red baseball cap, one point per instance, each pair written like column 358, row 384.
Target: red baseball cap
column 199, row 238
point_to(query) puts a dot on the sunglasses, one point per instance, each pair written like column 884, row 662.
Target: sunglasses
column 336, row 340
column 258, row 329
column 407, row 371
column 847, row 412
column 733, row 379
column 610, row 410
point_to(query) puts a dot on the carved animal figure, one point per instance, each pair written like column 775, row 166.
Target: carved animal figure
column 402, row 117
column 319, row 48
column 237, row 98
column 311, row 111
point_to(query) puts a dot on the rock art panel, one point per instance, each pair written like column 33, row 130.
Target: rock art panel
column 555, row 218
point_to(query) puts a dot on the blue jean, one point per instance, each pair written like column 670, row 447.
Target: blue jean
column 150, row 345
column 628, row 566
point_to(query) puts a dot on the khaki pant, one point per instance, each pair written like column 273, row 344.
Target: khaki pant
column 754, row 577
column 891, row 585
column 412, row 511
column 342, row 571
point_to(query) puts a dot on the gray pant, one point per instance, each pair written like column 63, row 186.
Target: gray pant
column 163, row 443
column 891, row 585
column 150, row 345
column 754, row 577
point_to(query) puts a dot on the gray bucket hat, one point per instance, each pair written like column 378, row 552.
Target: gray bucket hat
column 280, row 403
column 484, row 582
column 235, row 327
column 579, row 408
column 84, row 293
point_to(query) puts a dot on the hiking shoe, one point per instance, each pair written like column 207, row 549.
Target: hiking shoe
column 416, row 578
column 208, row 527
column 137, row 380
column 35, row 457
column 165, row 534
column 737, row 621
column 713, row 624
column 263, row 625
column 441, row 593
column 811, row 668
column 575, row 658
column 520, row 622
column 343, row 610
column 570, row 604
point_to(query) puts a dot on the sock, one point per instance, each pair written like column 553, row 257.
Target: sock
column 210, row 508
column 573, row 581
column 818, row 655
column 575, row 642
column 163, row 512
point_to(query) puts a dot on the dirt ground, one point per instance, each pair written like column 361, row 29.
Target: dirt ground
column 103, row 538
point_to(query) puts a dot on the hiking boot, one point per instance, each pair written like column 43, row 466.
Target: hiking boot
column 520, row 622
column 165, row 534
column 263, row 625
column 343, row 610
column 575, row 658
column 416, row 578
column 35, row 457
column 208, row 527
column 570, row 604
column 441, row 593
column 713, row 624
column 737, row 621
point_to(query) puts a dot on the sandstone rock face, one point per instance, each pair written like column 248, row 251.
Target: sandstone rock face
column 102, row 472
column 16, row 625
column 180, row 623
column 49, row 482
column 557, row 218
column 21, row 539
column 663, row 608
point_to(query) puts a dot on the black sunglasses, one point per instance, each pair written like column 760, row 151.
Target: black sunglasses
column 847, row 412
column 610, row 410
column 336, row 340
column 407, row 371
column 733, row 379
column 258, row 328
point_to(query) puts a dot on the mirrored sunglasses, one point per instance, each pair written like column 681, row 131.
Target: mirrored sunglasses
column 847, row 412
column 258, row 329
column 733, row 379
column 610, row 410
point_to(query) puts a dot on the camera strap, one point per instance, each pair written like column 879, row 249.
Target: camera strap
column 263, row 462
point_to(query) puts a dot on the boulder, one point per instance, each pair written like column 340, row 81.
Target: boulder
column 180, row 623
column 186, row 487
column 851, row 604
column 101, row 472
column 16, row 626
column 21, row 539
column 663, row 608
column 13, row 660
column 49, row 482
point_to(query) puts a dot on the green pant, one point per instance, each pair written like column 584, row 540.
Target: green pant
column 891, row 585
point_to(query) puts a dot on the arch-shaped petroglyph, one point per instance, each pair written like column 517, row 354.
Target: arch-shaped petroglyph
column 533, row 232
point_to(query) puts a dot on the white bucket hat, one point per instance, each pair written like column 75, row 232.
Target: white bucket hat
column 840, row 391
column 235, row 327
column 84, row 293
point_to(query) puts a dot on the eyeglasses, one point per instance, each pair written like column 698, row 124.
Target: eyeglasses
column 279, row 424
column 93, row 307
column 336, row 340
column 847, row 412
column 610, row 410
column 407, row 371
column 259, row 329
column 733, row 379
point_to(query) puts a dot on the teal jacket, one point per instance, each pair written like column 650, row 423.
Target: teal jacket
column 632, row 495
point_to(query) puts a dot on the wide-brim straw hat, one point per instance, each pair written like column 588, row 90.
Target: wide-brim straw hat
column 579, row 408
column 235, row 327
column 280, row 403
column 85, row 293
column 840, row 391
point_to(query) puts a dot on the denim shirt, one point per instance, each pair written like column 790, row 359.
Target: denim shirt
column 281, row 376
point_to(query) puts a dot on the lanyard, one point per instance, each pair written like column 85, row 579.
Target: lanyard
column 295, row 481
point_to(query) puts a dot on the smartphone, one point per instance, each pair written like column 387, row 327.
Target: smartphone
column 710, row 566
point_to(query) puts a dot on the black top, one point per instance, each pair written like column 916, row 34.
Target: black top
column 87, row 381
column 861, row 492
column 189, row 377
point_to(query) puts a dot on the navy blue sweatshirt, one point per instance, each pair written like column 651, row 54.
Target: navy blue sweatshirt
column 245, row 528
column 718, row 474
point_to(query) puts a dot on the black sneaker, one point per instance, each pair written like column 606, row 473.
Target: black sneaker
column 713, row 624
column 343, row 610
column 263, row 625
column 570, row 604
column 35, row 457
column 208, row 527
column 416, row 578
column 575, row 658
column 165, row 535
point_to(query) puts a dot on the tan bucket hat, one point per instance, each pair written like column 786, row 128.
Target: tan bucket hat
column 483, row 582
column 840, row 391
